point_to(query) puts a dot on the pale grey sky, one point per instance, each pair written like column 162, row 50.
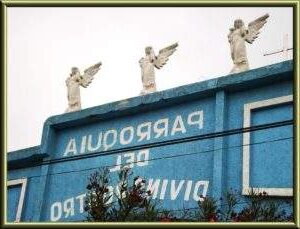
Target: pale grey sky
column 44, row 43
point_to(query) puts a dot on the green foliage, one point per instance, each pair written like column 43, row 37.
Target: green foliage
column 230, row 203
column 208, row 210
column 134, row 203
column 258, row 208
column 97, row 199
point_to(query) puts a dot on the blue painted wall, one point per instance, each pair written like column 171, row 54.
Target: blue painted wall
column 161, row 127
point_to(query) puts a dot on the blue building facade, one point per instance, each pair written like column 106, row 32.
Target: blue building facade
column 203, row 139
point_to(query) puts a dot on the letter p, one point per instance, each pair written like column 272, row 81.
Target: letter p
column 196, row 118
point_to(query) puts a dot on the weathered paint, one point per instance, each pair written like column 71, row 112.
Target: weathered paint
column 148, row 132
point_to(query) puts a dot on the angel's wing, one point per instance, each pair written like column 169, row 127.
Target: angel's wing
column 254, row 27
column 164, row 54
column 88, row 74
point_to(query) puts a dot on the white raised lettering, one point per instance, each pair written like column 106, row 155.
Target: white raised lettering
column 118, row 164
column 56, row 211
column 162, row 130
column 193, row 120
column 83, row 144
column 122, row 135
column 105, row 139
column 81, row 201
column 89, row 144
column 144, row 134
column 188, row 190
column 153, row 187
column 178, row 126
column 204, row 190
column 174, row 191
column 163, row 189
column 129, row 161
column 69, row 207
column 143, row 153
column 71, row 148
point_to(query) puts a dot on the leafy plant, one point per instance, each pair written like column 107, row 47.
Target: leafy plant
column 97, row 198
column 208, row 210
column 231, row 200
column 259, row 208
column 134, row 203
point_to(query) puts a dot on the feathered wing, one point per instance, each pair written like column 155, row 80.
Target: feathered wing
column 164, row 54
column 88, row 74
column 254, row 27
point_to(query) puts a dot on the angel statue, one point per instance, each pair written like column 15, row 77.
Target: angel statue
column 150, row 61
column 74, row 81
column 237, row 37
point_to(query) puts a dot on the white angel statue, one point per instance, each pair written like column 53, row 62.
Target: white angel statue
column 150, row 61
column 74, row 81
column 237, row 38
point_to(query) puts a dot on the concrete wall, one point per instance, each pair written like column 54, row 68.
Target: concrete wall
column 190, row 137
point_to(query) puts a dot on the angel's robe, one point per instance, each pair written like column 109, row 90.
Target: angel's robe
column 73, row 83
column 238, row 46
column 147, row 68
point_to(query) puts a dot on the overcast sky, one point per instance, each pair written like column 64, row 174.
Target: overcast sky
column 44, row 43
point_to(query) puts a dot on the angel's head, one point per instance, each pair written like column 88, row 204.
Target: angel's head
column 148, row 50
column 238, row 23
column 74, row 71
